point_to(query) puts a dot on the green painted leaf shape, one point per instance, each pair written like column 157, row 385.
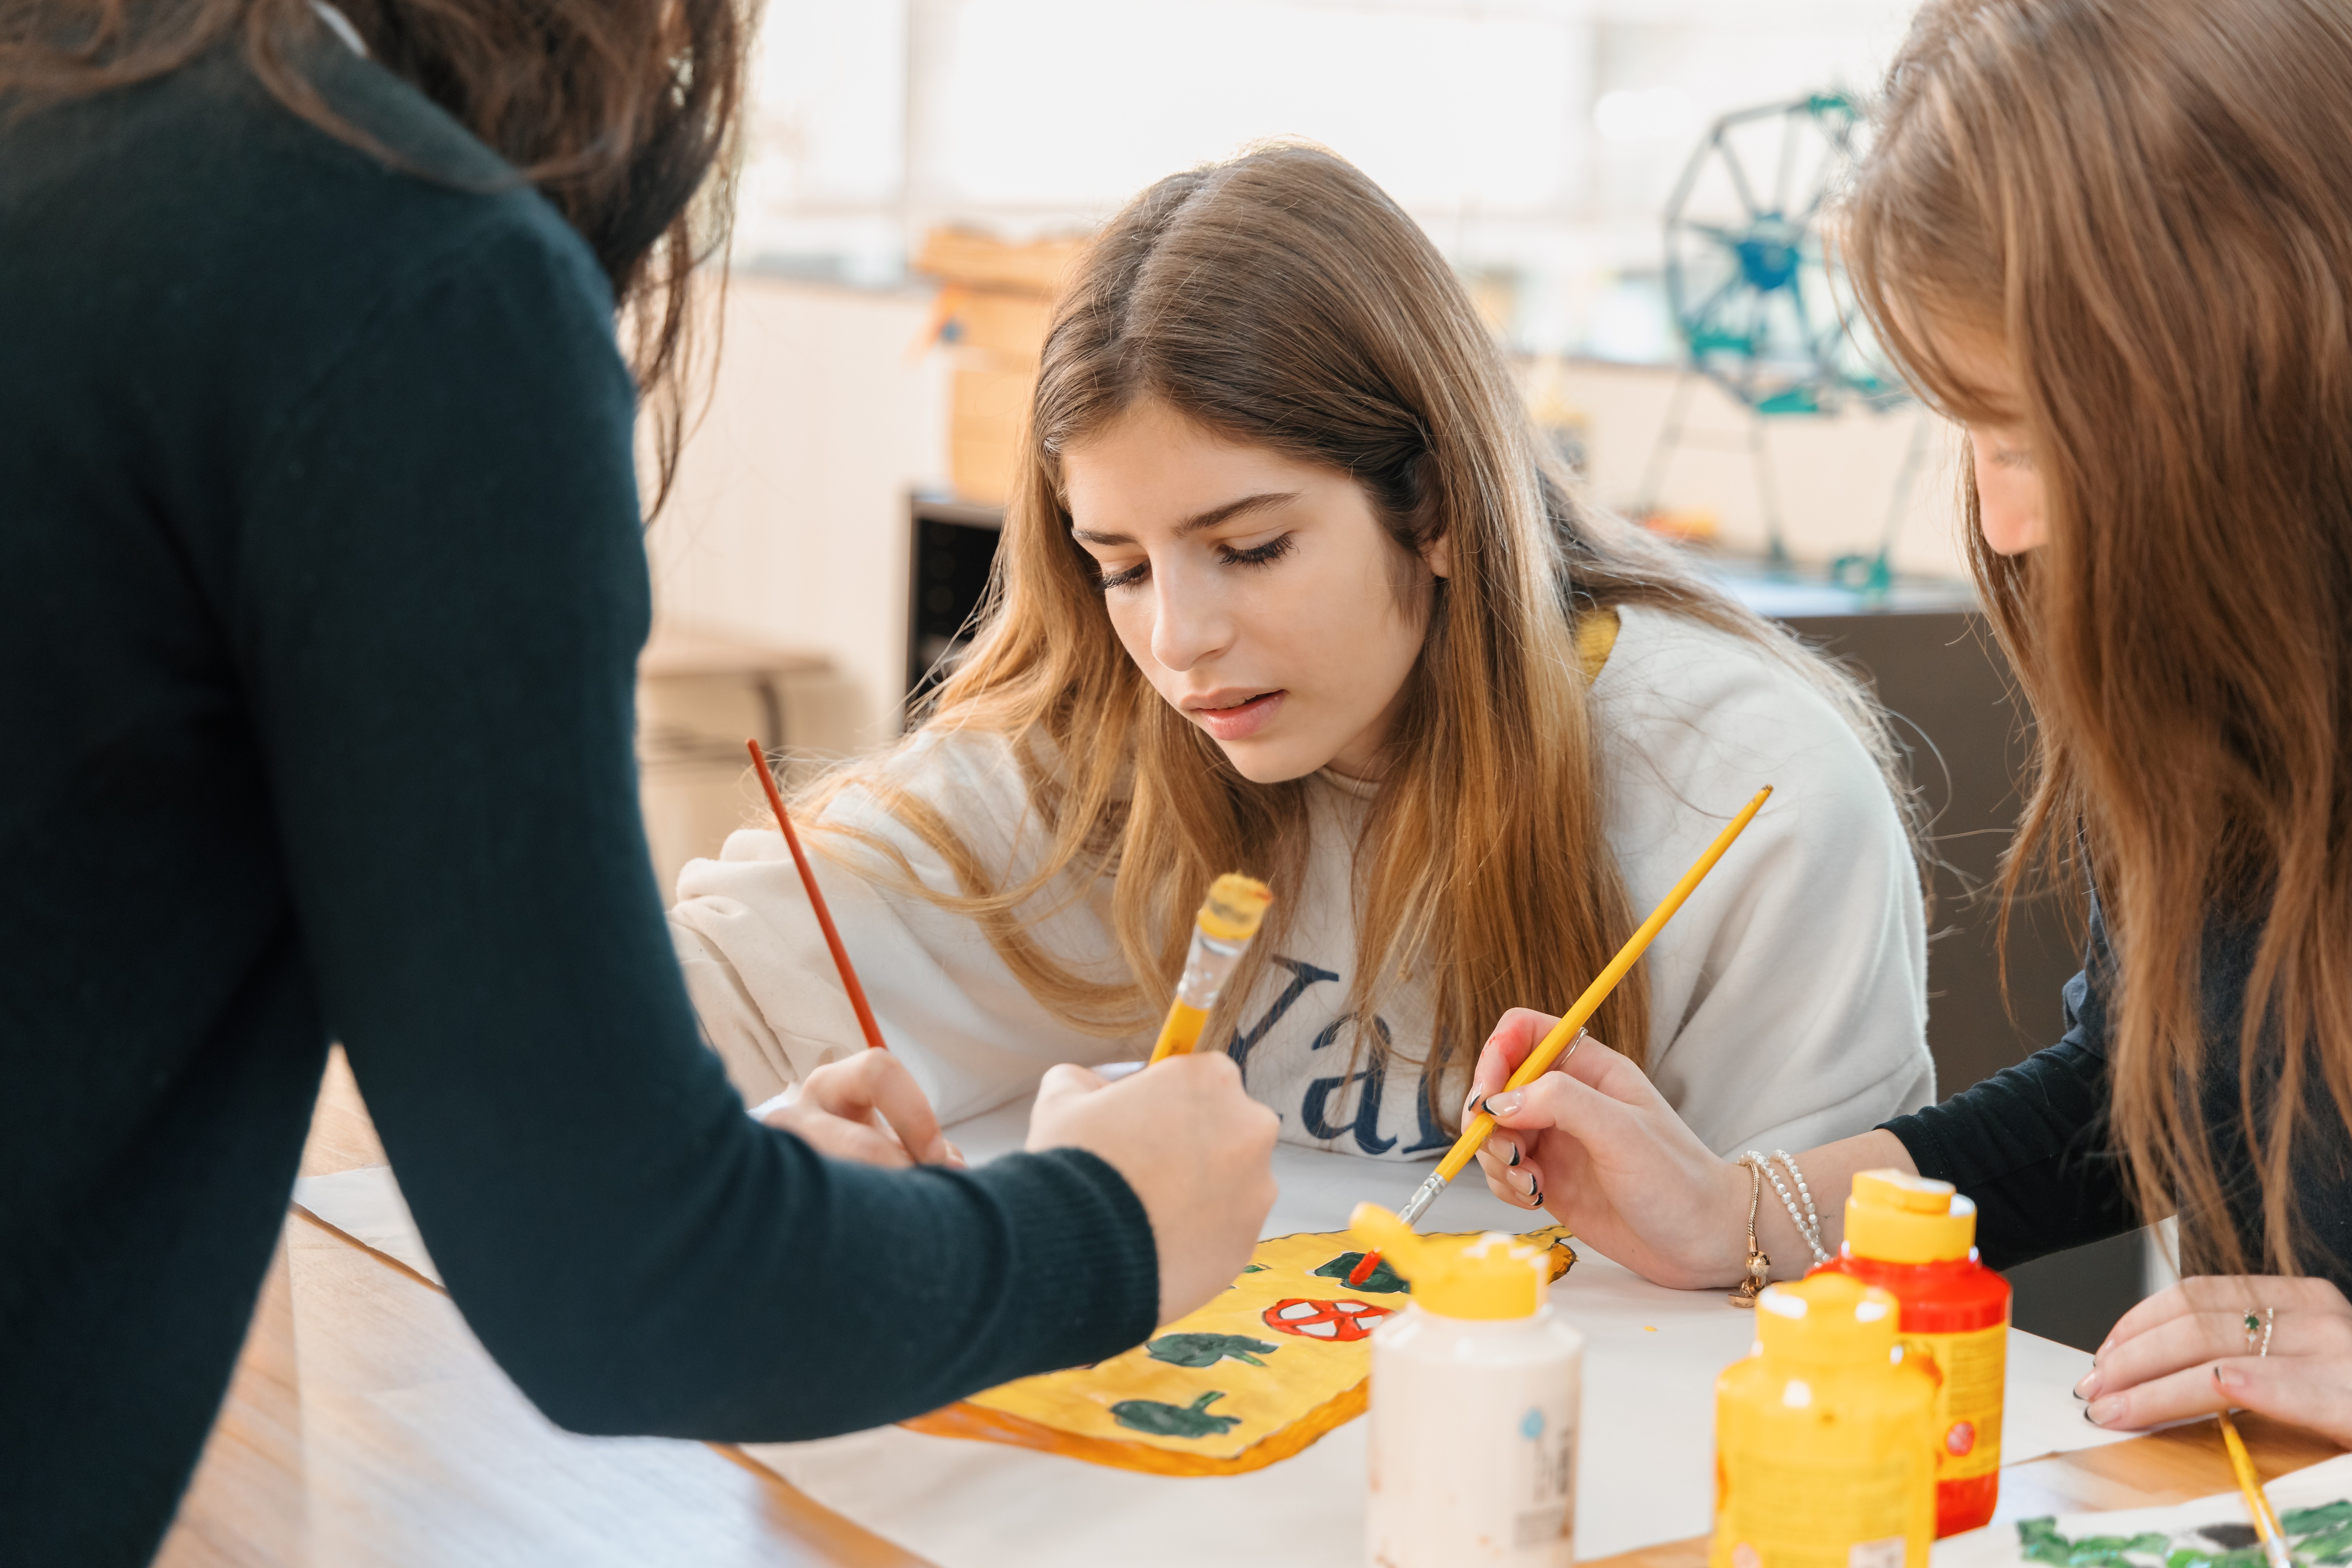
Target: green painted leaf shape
column 1383, row 1278
column 1207, row 1350
column 1160, row 1420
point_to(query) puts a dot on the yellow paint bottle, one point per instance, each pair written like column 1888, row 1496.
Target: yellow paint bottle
column 1824, row 1448
column 1476, row 1388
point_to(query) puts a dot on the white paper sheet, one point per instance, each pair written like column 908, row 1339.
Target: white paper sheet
column 1995, row 1546
column 1645, row 1471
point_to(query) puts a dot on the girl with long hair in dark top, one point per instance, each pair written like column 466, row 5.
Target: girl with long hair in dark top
column 2112, row 239
column 321, row 588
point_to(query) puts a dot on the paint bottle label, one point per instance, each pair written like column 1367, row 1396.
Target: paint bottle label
column 1776, row 1513
column 1545, row 1484
column 1822, row 1437
column 1971, row 1369
column 1473, row 1443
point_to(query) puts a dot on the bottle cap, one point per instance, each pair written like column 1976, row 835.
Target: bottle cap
column 1892, row 1217
column 1489, row 1275
column 1829, row 1319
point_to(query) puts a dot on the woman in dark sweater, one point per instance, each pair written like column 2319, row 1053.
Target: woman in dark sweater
column 320, row 594
column 2114, row 239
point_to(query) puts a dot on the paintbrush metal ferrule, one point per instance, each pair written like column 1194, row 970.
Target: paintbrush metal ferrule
column 1418, row 1204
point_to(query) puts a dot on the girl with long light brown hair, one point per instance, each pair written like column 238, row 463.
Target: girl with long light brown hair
column 1288, row 586
column 2114, row 239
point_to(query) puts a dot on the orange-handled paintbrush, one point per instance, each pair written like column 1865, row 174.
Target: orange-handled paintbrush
column 817, row 899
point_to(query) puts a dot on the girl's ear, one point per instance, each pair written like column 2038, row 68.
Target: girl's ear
column 1438, row 556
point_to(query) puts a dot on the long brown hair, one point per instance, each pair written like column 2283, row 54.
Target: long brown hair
column 1282, row 300
column 2147, row 202
column 622, row 112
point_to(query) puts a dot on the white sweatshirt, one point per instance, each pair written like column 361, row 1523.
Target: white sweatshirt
column 1787, row 998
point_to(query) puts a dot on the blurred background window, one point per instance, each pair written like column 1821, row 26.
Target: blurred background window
column 1535, row 142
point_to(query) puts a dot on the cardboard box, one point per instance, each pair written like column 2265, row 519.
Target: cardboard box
column 979, row 260
column 1009, row 326
column 988, row 408
column 996, row 302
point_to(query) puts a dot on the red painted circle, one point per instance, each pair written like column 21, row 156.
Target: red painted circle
column 1961, row 1439
column 1337, row 1322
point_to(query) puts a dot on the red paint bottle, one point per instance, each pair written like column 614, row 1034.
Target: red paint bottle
column 1916, row 1239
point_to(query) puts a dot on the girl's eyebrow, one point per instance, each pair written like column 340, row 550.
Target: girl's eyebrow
column 1194, row 524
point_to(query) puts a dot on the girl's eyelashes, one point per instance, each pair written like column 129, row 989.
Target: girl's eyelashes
column 1272, row 550
column 1264, row 554
column 2012, row 457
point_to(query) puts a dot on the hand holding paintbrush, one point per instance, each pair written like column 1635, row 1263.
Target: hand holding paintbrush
column 836, row 1107
column 1563, row 1037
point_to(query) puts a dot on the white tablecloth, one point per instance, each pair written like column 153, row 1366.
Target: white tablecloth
column 1645, row 1467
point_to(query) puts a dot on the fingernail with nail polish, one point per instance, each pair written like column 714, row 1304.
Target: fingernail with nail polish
column 1504, row 1104
column 2101, row 1411
column 2089, row 1387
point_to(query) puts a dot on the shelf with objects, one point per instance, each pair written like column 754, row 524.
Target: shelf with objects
column 1762, row 312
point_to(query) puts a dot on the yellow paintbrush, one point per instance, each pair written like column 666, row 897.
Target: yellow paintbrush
column 2258, row 1502
column 1228, row 917
column 1540, row 1059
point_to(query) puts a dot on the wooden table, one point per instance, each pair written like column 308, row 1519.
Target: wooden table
column 366, row 1426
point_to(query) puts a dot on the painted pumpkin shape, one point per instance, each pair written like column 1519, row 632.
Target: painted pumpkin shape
column 1339, row 1321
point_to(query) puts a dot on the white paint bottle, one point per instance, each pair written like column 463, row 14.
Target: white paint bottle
column 1476, row 1388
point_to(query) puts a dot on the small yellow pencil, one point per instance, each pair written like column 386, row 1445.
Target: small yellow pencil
column 1564, row 1033
column 1229, row 918
column 2258, row 1502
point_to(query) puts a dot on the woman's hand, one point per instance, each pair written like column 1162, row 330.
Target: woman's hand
column 1195, row 1148
column 868, row 1108
column 1594, row 1144
column 2187, row 1351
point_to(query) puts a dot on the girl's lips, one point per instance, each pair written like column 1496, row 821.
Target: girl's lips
column 1242, row 720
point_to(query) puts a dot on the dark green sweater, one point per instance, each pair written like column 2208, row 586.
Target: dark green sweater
column 322, row 587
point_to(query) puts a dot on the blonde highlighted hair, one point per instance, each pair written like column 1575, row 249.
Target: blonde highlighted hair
column 1281, row 300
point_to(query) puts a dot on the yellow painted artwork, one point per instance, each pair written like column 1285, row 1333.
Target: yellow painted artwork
column 1278, row 1360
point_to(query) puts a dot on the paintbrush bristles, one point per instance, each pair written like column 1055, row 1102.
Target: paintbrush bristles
column 1235, row 907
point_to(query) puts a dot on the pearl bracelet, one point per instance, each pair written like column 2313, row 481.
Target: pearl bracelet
column 1808, row 1221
